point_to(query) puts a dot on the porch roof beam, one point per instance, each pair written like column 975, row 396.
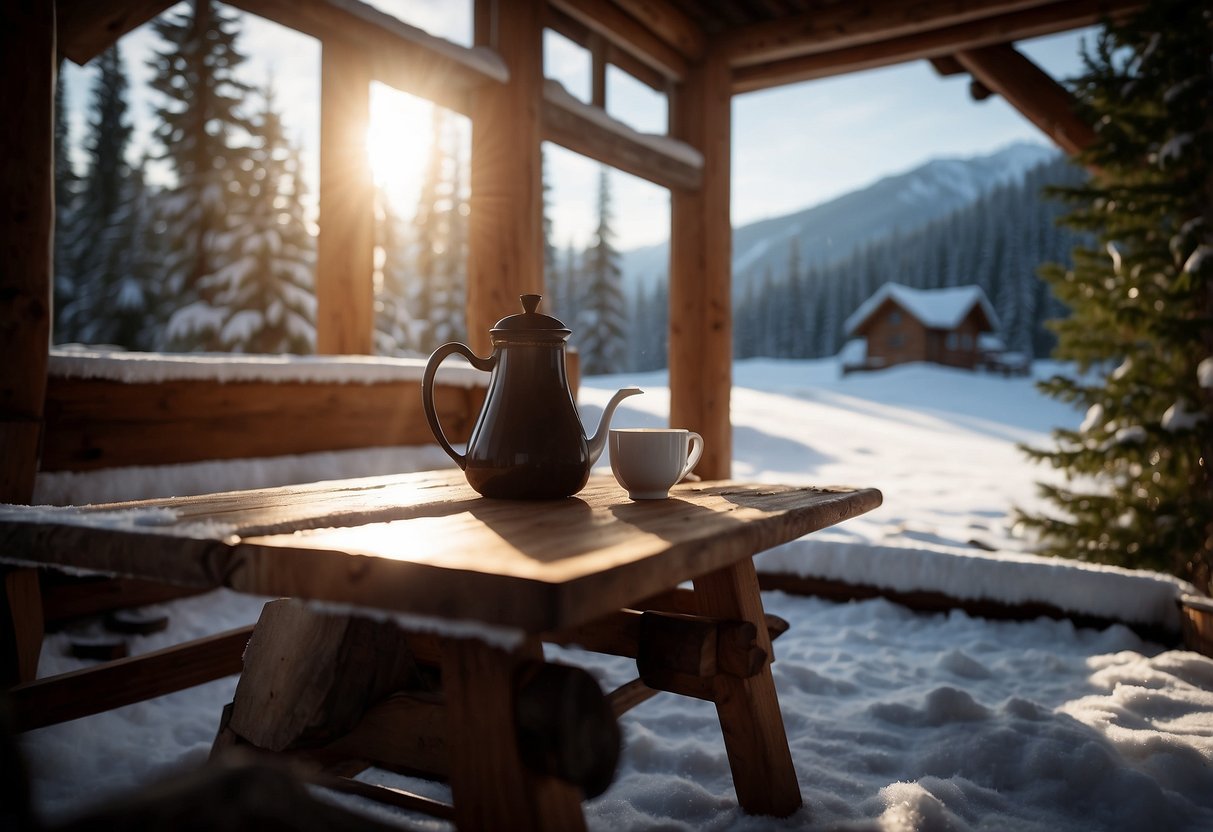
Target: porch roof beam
column 990, row 31
column 627, row 33
column 580, row 34
column 1029, row 89
column 830, row 26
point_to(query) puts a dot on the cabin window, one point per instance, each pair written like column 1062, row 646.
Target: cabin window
column 896, row 341
column 952, row 340
column 895, row 317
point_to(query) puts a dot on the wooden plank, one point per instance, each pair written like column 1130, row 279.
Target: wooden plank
column 345, row 247
column 750, row 720
column 669, row 23
column 398, row 54
column 582, row 35
column 627, row 33
column 505, row 226
column 1029, row 23
column 21, row 635
column 92, row 690
column 1031, row 91
column 99, row 423
column 27, row 222
column 701, row 340
column 569, row 126
column 69, row 596
column 87, row 28
column 427, row 544
column 828, row 26
column 489, row 782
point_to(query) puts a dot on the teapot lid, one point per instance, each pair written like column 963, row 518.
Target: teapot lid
column 530, row 320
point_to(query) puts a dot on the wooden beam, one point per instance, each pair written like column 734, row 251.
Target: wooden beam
column 946, row 65
column 87, row 28
column 345, row 248
column 1029, row 89
column 572, row 125
column 669, row 23
column 27, row 228
column 701, row 340
column 398, row 54
column 92, row 690
column 22, row 630
column 100, row 423
column 581, row 35
column 627, row 33
column 1030, row 23
column 505, row 226
column 829, row 26
column 598, row 67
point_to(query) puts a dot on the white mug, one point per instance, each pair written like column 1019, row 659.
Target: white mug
column 647, row 461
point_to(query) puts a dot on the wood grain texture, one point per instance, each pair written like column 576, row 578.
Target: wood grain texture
column 627, row 33
column 505, row 225
column 492, row 788
column 27, row 221
column 701, row 318
column 21, row 630
column 1058, row 16
column 570, row 128
column 98, row 423
column 111, row 685
column 310, row 676
column 426, row 543
column 750, row 720
column 828, row 26
column 345, row 246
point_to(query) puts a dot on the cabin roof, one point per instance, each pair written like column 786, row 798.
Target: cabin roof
column 933, row 308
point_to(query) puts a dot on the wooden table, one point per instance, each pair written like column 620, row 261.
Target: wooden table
column 597, row 570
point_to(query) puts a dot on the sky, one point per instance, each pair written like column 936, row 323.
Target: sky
column 793, row 147
column 897, row 721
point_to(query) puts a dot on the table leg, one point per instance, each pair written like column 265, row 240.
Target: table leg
column 491, row 787
column 754, row 737
column 21, row 637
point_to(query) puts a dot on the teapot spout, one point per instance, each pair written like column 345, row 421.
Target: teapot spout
column 597, row 443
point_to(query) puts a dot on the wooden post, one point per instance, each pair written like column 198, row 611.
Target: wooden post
column 505, row 228
column 701, row 327
column 27, row 224
column 345, row 250
column 750, row 720
column 491, row 786
column 22, row 630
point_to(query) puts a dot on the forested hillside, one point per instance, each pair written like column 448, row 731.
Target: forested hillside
column 998, row 243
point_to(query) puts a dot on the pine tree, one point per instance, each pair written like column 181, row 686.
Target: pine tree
column 1139, row 491
column 264, row 294
column 67, row 184
column 603, row 314
column 200, row 130
column 437, row 303
column 393, row 321
column 109, row 298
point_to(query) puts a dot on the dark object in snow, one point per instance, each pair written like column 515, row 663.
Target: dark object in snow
column 136, row 622
column 100, row 648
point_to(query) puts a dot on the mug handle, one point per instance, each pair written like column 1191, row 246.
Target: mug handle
column 427, row 391
column 693, row 454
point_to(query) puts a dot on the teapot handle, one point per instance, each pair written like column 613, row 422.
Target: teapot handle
column 427, row 391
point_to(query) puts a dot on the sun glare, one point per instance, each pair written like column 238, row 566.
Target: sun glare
column 398, row 141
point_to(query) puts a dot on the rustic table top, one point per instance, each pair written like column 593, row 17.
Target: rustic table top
column 427, row 544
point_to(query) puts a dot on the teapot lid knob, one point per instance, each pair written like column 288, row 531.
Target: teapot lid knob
column 530, row 302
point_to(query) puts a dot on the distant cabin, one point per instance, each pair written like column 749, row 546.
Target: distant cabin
column 899, row 324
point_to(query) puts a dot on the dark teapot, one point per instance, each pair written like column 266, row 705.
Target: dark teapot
column 528, row 442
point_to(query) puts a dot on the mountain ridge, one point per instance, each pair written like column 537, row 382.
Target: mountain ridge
column 896, row 204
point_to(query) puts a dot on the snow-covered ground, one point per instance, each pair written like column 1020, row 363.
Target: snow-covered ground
column 897, row 721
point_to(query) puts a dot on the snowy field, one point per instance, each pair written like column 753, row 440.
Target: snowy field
column 896, row 720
